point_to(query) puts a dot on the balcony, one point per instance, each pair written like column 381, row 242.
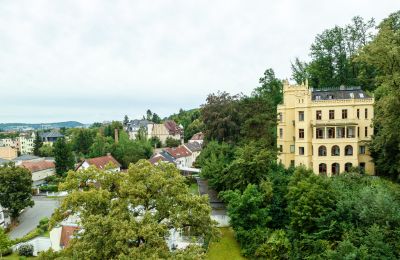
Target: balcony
column 334, row 122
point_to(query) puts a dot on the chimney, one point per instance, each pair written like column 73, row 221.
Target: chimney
column 116, row 135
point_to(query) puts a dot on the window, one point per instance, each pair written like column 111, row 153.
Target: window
column 291, row 163
column 280, row 148
column 331, row 114
column 362, row 166
column 301, row 133
column 318, row 114
column 335, row 150
column 361, row 95
column 366, row 113
column 322, row 151
column 292, row 148
column 322, row 169
column 280, row 117
column 358, row 131
column 280, row 133
column 301, row 115
column 348, row 166
column 350, row 132
column 366, row 131
column 362, row 149
column 340, row 132
column 317, row 97
column 319, row 133
column 358, row 113
column 335, row 168
column 348, row 150
column 301, row 150
column 330, row 96
column 331, row 132
column 344, row 113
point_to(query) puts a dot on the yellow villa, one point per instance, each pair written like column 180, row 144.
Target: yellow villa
column 326, row 130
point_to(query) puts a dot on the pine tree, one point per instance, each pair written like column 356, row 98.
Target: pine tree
column 63, row 156
column 37, row 144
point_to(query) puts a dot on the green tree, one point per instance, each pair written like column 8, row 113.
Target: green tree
column 299, row 71
column 82, row 140
column 101, row 146
column 64, row 159
column 155, row 142
column 15, row 189
column 172, row 142
column 5, row 242
column 193, row 128
column 156, row 118
column 46, row 150
column 136, row 210
column 37, row 144
column 126, row 120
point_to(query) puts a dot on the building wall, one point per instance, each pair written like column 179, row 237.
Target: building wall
column 297, row 98
column 26, row 144
column 8, row 153
column 162, row 133
column 40, row 176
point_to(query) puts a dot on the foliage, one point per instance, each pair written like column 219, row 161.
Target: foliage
column 109, row 129
column 25, row 250
column 155, row 142
column 101, row 146
column 171, row 142
column 383, row 54
column 5, row 243
column 15, row 189
column 226, row 248
column 82, row 140
column 37, row 144
column 136, row 210
column 63, row 156
column 126, row 120
column 193, row 128
column 46, row 150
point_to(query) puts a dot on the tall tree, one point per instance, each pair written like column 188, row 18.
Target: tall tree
column 15, row 189
column 126, row 120
column 64, row 159
column 5, row 242
column 136, row 210
column 82, row 140
column 299, row 71
column 37, row 144
column 101, row 146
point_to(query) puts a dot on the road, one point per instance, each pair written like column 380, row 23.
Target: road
column 30, row 218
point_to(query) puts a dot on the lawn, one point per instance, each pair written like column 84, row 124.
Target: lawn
column 194, row 188
column 226, row 248
column 15, row 256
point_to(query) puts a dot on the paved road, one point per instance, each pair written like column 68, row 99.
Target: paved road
column 31, row 216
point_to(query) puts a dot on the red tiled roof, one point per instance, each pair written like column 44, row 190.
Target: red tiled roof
column 178, row 152
column 101, row 162
column 66, row 234
column 38, row 166
column 157, row 158
column 172, row 127
column 198, row 136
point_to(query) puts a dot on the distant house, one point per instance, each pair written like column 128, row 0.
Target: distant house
column 5, row 220
column 100, row 163
column 162, row 156
column 26, row 158
column 8, row 153
column 134, row 126
column 61, row 235
column 183, row 157
column 50, row 137
column 195, row 149
column 40, row 170
column 26, row 142
column 199, row 138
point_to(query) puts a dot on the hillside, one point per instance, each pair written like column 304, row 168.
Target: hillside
column 28, row 126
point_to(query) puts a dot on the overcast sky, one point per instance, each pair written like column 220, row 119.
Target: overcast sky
column 99, row 60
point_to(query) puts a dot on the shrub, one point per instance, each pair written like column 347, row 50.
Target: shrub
column 6, row 252
column 43, row 224
column 51, row 188
column 25, row 250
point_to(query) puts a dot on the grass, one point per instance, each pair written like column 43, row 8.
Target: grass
column 226, row 248
column 194, row 188
column 15, row 256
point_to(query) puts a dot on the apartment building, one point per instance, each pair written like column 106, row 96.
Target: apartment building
column 326, row 130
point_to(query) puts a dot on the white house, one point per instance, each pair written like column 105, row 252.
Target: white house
column 40, row 170
column 5, row 220
column 195, row 149
column 183, row 157
column 100, row 163
column 199, row 138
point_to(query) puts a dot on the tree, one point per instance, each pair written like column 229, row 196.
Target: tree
column 15, row 189
column 126, row 120
column 155, row 142
column 109, row 130
column 101, row 146
column 46, row 150
column 193, row 128
column 156, row 118
column 149, row 115
column 299, row 71
column 5, row 242
column 64, row 159
column 172, row 142
column 383, row 53
column 129, row 215
column 37, row 144
column 82, row 140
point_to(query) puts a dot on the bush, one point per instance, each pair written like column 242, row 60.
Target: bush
column 34, row 233
column 6, row 252
column 25, row 250
column 50, row 188
column 43, row 224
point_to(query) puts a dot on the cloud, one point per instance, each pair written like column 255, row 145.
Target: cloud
column 98, row 60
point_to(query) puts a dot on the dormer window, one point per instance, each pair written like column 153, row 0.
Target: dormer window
column 330, row 96
column 361, row 95
column 317, row 97
column 351, row 94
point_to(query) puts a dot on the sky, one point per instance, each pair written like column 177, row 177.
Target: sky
column 92, row 61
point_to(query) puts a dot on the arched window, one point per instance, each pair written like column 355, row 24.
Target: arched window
column 347, row 166
column 348, row 150
column 322, row 169
column 322, row 151
column 335, row 168
column 335, row 150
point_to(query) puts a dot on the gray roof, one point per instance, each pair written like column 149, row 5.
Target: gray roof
column 167, row 156
column 136, row 124
column 3, row 161
column 193, row 146
column 341, row 92
column 51, row 134
column 26, row 157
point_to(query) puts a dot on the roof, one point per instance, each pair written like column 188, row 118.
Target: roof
column 67, row 233
column 101, row 162
column 193, row 147
column 26, row 157
column 167, row 156
column 38, row 166
column 198, row 136
column 157, row 158
column 178, row 152
column 137, row 123
column 339, row 93
column 53, row 134
column 3, row 161
column 172, row 127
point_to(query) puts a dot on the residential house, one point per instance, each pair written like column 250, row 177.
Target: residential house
column 195, row 149
column 3, row 161
column 162, row 156
column 5, row 219
column 26, row 158
column 199, row 138
column 9, row 142
column 50, row 137
column 326, row 130
column 134, row 126
column 26, row 142
column 61, row 235
column 8, row 153
column 169, row 129
column 183, row 157
column 40, row 171
column 100, row 163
